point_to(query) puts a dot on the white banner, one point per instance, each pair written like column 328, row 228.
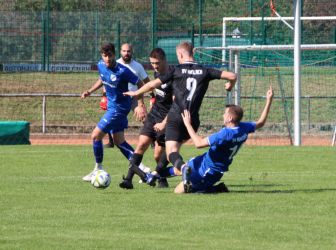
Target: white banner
column 61, row 67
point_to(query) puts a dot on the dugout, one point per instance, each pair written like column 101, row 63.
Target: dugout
column 14, row 132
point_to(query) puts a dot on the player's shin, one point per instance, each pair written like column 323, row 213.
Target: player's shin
column 126, row 150
column 136, row 170
column 98, row 151
column 176, row 159
column 134, row 161
column 163, row 163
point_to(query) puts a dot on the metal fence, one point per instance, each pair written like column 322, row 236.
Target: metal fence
column 50, row 32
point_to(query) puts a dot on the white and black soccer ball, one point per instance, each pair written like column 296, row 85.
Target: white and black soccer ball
column 101, row 179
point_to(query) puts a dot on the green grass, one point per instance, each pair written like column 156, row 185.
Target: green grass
column 281, row 198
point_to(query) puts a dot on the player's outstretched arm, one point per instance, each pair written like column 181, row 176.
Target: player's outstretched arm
column 263, row 117
column 140, row 111
column 94, row 87
column 198, row 141
column 145, row 88
column 231, row 77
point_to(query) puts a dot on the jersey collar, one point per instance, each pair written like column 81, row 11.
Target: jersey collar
column 189, row 62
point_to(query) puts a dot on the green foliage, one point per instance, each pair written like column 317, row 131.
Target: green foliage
column 57, row 29
column 281, row 198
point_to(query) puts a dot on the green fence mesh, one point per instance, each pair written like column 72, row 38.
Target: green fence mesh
column 52, row 47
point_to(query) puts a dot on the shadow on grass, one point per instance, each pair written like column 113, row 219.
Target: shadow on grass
column 289, row 191
column 258, row 185
column 257, row 189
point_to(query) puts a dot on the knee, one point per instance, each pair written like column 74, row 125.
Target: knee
column 95, row 136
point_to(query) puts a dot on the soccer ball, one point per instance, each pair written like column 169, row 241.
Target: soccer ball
column 101, row 179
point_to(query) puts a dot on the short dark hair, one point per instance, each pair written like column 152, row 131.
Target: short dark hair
column 158, row 53
column 107, row 48
column 236, row 111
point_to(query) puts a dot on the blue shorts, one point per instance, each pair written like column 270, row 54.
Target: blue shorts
column 202, row 177
column 112, row 122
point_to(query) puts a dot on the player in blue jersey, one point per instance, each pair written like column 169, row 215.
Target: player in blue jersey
column 115, row 77
column 126, row 59
column 201, row 173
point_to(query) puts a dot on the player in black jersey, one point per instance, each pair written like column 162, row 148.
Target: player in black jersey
column 155, row 123
column 190, row 83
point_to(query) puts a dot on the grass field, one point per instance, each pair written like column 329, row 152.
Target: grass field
column 281, row 198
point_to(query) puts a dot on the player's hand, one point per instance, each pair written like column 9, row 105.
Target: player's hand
column 140, row 113
column 186, row 117
column 85, row 94
column 270, row 93
column 158, row 127
column 130, row 93
column 228, row 86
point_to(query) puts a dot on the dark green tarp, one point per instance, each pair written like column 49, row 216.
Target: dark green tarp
column 14, row 132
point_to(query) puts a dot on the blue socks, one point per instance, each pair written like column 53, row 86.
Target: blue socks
column 167, row 172
column 171, row 171
column 98, row 151
column 126, row 150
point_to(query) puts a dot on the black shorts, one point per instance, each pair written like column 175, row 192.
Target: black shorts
column 175, row 129
column 148, row 130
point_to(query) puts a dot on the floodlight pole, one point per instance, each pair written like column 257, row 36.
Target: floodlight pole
column 297, row 72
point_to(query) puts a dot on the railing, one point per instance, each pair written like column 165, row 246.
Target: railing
column 44, row 102
column 45, row 95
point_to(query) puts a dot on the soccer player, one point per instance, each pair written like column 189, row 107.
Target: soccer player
column 155, row 123
column 190, row 82
column 126, row 59
column 202, row 172
column 115, row 78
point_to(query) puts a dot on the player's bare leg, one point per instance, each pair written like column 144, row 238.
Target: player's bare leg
column 172, row 146
column 110, row 143
column 179, row 188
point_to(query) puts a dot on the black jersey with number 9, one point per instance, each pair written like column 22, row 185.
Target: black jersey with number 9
column 190, row 83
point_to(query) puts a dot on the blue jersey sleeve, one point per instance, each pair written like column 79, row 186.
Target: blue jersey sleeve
column 250, row 127
column 130, row 77
column 226, row 134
